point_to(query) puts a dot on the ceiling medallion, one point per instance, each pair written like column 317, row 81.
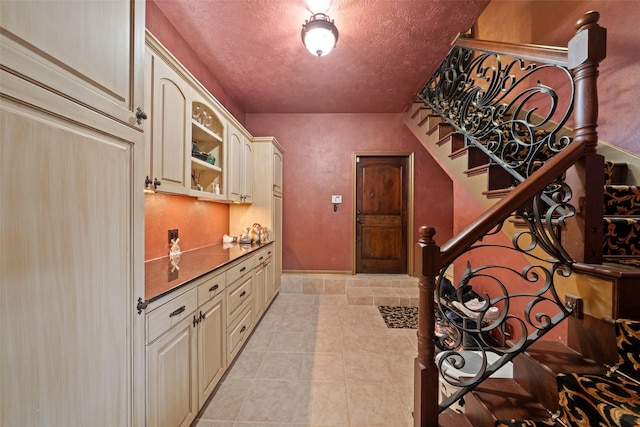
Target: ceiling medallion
column 319, row 34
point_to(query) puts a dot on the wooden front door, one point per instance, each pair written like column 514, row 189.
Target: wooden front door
column 382, row 192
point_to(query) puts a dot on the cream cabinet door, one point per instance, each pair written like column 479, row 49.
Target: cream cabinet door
column 246, row 173
column 172, row 393
column 235, row 144
column 212, row 348
column 70, row 268
column 259, row 284
column 277, row 171
column 170, row 116
column 90, row 51
column 277, row 231
column 240, row 169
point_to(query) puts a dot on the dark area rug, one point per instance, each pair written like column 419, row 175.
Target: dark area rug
column 399, row 317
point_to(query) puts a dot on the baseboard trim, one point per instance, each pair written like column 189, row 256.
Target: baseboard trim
column 317, row 272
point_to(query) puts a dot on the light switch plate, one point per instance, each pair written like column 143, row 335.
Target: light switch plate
column 336, row 199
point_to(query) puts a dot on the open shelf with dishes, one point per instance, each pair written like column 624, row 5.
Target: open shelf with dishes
column 207, row 152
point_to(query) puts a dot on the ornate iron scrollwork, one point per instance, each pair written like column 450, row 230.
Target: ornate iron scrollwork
column 503, row 107
column 485, row 322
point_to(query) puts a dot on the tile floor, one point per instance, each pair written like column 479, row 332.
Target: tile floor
column 315, row 361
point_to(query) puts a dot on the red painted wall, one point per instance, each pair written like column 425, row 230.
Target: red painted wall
column 319, row 152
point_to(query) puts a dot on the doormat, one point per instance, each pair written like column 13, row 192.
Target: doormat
column 399, row 317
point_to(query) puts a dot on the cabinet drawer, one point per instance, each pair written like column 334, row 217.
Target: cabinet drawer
column 263, row 256
column 241, row 269
column 211, row 287
column 239, row 295
column 170, row 314
column 238, row 333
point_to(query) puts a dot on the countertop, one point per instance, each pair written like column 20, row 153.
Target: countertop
column 162, row 278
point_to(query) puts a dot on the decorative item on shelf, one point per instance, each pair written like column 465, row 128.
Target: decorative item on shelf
column 197, row 153
column 195, row 113
column 211, row 160
column 216, row 189
column 207, row 120
column 195, row 181
column 319, row 34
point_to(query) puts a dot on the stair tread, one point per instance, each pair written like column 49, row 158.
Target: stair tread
column 452, row 419
column 504, row 398
column 559, row 358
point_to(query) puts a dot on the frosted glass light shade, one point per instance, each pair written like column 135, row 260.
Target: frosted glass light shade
column 319, row 34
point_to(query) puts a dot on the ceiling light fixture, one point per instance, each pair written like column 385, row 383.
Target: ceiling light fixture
column 319, row 34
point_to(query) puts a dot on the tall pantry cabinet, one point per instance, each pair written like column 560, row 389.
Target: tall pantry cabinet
column 266, row 206
column 71, row 213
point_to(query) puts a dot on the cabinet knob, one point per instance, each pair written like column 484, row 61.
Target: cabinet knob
column 140, row 115
column 243, row 293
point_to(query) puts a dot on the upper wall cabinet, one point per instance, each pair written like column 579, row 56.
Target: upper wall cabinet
column 167, row 100
column 65, row 50
column 207, row 150
column 240, row 165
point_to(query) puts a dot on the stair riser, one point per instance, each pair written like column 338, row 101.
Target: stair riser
column 621, row 200
column 621, row 236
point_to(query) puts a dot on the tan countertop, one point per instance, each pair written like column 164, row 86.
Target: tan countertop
column 161, row 277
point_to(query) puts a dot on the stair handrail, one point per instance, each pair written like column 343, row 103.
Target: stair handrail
column 585, row 51
column 555, row 55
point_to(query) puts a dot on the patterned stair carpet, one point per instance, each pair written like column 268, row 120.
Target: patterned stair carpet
column 621, row 242
column 399, row 317
column 611, row 399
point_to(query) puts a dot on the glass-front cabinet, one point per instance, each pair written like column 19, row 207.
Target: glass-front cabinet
column 207, row 151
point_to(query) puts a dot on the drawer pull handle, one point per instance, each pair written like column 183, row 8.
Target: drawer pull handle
column 244, row 328
column 178, row 311
column 243, row 293
column 269, row 253
column 243, row 269
column 213, row 288
column 261, row 258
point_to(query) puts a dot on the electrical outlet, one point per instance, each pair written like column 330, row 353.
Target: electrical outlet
column 173, row 235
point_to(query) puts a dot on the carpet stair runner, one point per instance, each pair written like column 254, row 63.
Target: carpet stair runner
column 611, row 398
column 621, row 217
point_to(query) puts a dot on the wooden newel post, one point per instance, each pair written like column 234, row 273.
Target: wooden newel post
column 583, row 237
column 425, row 413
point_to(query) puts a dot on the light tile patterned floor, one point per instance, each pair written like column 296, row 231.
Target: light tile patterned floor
column 316, row 361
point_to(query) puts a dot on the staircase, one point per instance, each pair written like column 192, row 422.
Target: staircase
column 532, row 394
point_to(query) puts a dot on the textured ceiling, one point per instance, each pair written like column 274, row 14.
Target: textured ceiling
column 386, row 50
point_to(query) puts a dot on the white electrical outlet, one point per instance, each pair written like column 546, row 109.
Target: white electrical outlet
column 336, row 199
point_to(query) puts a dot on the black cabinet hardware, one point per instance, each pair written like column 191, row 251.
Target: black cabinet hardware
column 140, row 115
column 177, row 311
column 141, row 305
column 213, row 288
